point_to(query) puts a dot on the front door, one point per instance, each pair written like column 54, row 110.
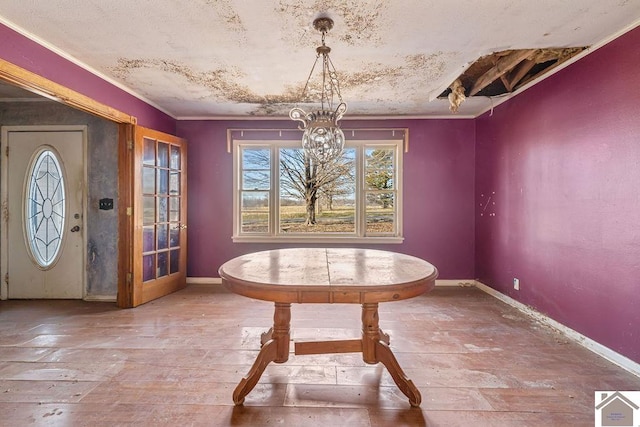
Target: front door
column 43, row 199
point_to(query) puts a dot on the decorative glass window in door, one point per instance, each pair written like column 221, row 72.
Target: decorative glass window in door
column 45, row 208
column 161, row 178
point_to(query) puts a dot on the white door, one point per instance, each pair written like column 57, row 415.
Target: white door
column 43, row 194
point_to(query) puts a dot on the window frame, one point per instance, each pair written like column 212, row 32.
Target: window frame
column 274, row 235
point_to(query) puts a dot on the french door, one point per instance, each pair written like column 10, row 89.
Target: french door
column 157, row 217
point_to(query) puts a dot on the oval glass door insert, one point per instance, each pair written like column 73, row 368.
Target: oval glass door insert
column 45, row 208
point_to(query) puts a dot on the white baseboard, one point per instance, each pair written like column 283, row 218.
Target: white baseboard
column 588, row 343
column 100, row 298
column 204, row 281
column 457, row 283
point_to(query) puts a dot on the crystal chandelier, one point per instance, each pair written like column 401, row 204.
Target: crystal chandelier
column 322, row 139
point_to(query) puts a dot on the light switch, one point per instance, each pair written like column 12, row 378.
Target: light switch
column 106, row 204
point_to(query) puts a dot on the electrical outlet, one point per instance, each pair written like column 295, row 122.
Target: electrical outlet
column 516, row 284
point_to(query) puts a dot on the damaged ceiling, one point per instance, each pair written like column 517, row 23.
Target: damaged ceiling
column 226, row 58
column 502, row 73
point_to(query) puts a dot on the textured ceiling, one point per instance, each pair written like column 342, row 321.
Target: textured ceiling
column 206, row 58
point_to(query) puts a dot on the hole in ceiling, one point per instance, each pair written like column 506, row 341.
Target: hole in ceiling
column 504, row 72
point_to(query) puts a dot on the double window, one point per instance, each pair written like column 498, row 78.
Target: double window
column 282, row 195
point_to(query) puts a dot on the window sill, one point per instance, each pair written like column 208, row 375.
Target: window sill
column 322, row 240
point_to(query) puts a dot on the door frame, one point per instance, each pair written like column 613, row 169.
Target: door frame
column 4, row 224
column 40, row 85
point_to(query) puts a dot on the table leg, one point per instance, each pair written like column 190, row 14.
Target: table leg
column 275, row 348
column 375, row 348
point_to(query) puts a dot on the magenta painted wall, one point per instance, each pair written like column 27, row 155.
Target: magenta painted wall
column 438, row 193
column 562, row 164
column 25, row 53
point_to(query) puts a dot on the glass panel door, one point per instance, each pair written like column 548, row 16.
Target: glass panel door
column 160, row 214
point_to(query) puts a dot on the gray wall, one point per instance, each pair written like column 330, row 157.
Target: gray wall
column 102, row 171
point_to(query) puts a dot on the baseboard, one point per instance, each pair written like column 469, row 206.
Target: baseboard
column 204, row 281
column 100, row 298
column 588, row 343
column 457, row 283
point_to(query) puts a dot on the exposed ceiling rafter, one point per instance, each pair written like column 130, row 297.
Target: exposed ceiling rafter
column 506, row 71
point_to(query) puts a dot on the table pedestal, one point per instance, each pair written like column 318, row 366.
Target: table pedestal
column 374, row 347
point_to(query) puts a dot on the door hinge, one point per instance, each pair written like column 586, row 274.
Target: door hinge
column 5, row 211
column 129, row 278
column 129, row 211
column 6, row 151
column 6, row 278
column 130, row 144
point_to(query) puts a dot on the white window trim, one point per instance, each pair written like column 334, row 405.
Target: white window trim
column 275, row 236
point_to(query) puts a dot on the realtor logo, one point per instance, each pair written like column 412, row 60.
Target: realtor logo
column 617, row 408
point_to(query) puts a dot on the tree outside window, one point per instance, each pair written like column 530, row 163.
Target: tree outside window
column 284, row 194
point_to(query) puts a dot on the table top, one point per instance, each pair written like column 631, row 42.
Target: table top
column 328, row 275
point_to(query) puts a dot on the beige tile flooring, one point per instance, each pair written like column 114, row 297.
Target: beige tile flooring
column 176, row 361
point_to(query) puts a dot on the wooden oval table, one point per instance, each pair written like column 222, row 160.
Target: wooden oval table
column 336, row 275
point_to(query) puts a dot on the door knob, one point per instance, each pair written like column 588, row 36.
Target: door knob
column 75, row 228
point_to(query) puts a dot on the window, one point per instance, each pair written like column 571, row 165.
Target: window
column 281, row 195
column 45, row 208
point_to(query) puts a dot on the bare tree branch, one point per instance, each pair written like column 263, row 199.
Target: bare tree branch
column 303, row 178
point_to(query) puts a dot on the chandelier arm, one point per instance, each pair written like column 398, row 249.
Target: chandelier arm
column 300, row 115
column 340, row 110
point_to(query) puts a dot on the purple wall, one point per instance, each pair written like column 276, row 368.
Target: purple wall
column 33, row 57
column 563, row 159
column 560, row 163
column 438, row 193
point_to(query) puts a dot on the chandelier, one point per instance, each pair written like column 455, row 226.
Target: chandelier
column 322, row 139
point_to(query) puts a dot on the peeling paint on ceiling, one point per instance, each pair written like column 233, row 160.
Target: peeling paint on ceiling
column 232, row 58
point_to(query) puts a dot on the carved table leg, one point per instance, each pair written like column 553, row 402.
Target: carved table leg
column 370, row 332
column 375, row 348
column 406, row 386
column 275, row 348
